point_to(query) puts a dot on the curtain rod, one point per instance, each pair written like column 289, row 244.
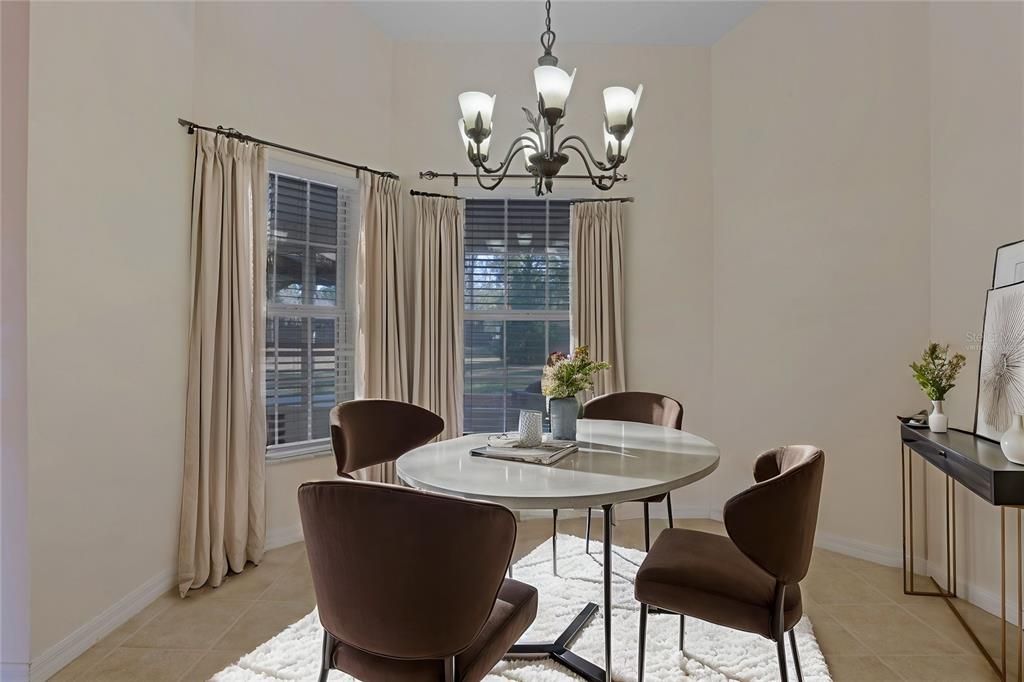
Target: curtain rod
column 416, row 193
column 433, row 175
column 625, row 200
column 237, row 135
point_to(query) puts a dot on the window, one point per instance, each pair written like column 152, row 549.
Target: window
column 311, row 234
column 516, row 305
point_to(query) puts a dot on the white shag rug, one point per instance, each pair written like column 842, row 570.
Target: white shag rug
column 713, row 653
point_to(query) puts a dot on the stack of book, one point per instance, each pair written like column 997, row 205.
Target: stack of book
column 546, row 454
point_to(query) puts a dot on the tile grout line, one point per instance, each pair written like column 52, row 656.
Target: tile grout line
column 873, row 654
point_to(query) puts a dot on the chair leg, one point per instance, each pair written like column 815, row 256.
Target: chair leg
column 449, row 669
column 554, row 541
column 682, row 633
column 643, row 643
column 796, row 656
column 327, row 657
column 780, row 644
column 647, row 526
column 589, row 512
column 668, row 502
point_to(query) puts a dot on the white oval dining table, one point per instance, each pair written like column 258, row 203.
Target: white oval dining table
column 617, row 462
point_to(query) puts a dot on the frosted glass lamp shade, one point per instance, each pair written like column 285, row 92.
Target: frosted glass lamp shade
column 620, row 105
column 471, row 147
column 553, row 86
column 612, row 149
column 474, row 104
column 485, row 148
column 534, row 145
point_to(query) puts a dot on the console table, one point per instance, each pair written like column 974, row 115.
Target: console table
column 977, row 464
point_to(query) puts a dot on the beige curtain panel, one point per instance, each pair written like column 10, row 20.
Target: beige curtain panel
column 380, row 349
column 596, row 281
column 223, row 519
column 437, row 309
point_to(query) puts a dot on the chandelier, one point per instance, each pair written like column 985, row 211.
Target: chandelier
column 544, row 154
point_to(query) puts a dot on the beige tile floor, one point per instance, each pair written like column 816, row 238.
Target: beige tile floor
column 867, row 628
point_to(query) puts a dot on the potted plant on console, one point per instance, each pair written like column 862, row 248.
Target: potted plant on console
column 936, row 373
column 564, row 377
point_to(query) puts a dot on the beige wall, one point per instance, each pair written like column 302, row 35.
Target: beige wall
column 977, row 153
column 109, row 188
column 14, row 552
column 820, row 147
column 668, row 238
column 109, row 200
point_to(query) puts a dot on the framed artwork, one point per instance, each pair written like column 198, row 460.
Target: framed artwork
column 1001, row 369
column 1009, row 265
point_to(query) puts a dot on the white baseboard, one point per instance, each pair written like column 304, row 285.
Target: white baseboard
column 879, row 554
column 14, row 672
column 981, row 597
column 49, row 663
column 280, row 537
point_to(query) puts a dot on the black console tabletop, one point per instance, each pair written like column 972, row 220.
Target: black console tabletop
column 975, row 462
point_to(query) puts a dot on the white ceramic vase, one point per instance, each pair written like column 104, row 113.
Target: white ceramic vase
column 1013, row 441
column 938, row 422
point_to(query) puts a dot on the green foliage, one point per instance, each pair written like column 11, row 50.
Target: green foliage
column 936, row 371
column 566, row 376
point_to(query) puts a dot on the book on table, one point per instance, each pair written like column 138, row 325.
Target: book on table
column 546, row 454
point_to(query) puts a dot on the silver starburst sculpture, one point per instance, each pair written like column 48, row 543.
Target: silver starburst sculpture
column 1002, row 362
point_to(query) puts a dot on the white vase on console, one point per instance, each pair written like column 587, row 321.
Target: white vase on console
column 938, row 422
column 1013, row 441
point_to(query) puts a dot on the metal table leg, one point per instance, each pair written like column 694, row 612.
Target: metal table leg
column 559, row 649
column 608, row 592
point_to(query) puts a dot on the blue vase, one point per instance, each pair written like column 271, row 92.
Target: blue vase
column 563, row 417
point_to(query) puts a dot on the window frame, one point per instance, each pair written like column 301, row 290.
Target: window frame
column 511, row 314
column 313, row 172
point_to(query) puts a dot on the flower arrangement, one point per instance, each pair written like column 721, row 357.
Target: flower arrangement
column 565, row 376
column 937, row 371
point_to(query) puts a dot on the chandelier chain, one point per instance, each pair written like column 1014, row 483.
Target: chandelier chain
column 547, row 38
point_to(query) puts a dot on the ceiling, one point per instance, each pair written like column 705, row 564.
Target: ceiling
column 653, row 22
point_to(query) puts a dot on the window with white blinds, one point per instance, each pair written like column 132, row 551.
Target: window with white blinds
column 310, row 356
column 516, row 305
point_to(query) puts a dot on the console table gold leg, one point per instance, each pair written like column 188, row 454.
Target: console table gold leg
column 952, row 486
column 949, row 566
column 910, row 530
column 1020, row 601
column 903, row 511
column 950, row 592
column 1002, row 589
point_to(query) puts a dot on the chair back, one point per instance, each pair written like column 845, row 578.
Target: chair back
column 368, row 432
column 403, row 573
column 636, row 406
column 773, row 521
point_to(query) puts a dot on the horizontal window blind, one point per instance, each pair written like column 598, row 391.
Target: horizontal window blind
column 310, row 345
column 516, row 305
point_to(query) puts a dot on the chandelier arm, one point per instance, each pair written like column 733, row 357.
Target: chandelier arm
column 513, row 149
column 594, row 180
column 602, row 166
column 504, row 168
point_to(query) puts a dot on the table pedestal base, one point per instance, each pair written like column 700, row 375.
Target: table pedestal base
column 559, row 649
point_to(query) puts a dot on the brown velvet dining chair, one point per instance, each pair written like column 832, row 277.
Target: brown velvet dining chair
column 369, row 432
column 409, row 584
column 750, row 579
column 645, row 408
